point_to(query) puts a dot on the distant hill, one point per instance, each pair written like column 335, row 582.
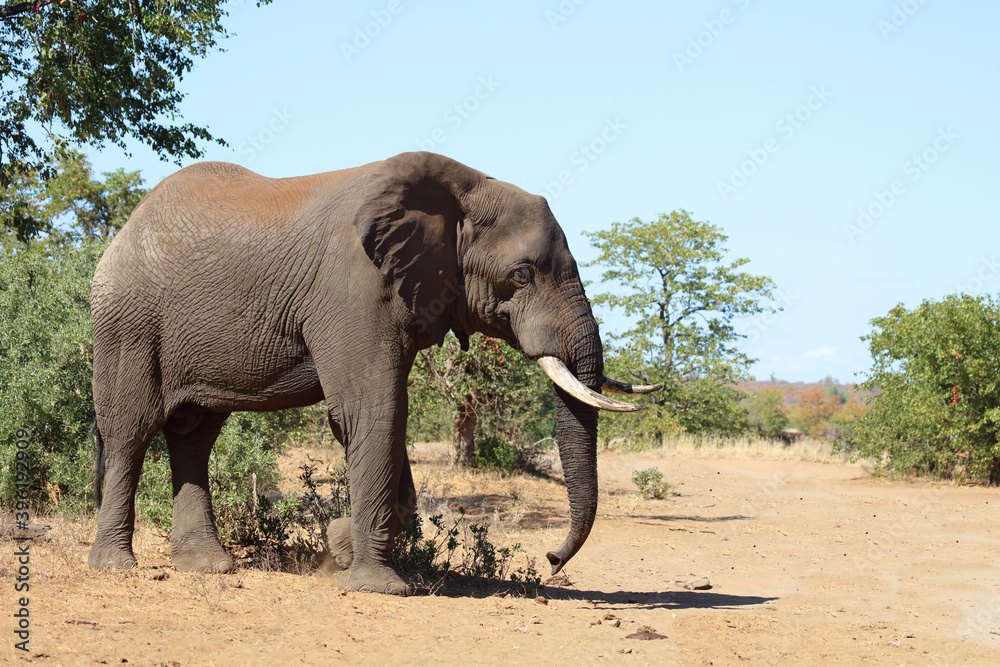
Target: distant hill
column 791, row 390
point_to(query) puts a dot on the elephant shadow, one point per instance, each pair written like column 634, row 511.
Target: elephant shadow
column 480, row 587
column 626, row 600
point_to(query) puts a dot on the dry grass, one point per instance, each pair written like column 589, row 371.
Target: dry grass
column 709, row 447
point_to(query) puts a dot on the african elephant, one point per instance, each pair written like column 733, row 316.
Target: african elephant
column 230, row 291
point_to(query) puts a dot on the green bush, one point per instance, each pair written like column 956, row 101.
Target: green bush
column 494, row 453
column 248, row 446
column 290, row 530
column 936, row 395
column 650, row 483
column 766, row 411
column 464, row 549
column 45, row 369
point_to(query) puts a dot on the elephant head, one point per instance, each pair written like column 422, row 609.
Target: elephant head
column 470, row 253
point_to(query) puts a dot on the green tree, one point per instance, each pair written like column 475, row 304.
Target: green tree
column 88, row 72
column 45, row 335
column 671, row 280
column 936, row 374
column 766, row 411
column 843, row 420
column 490, row 385
column 73, row 204
column 46, row 366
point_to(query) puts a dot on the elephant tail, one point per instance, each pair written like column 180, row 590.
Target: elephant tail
column 98, row 463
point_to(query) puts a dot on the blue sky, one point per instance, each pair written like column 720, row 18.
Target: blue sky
column 848, row 149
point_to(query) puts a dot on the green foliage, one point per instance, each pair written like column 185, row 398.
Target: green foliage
column 246, row 448
column 650, row 483
column 766, row 412
column 487, row 393
column 936, row 371
column 96, row 73
column 290, row 530
column 463, row 549
column 425, row 557
column 498, row 454
column 45, row 367
column 680, row 295
column 494, row 453
column 72, row 204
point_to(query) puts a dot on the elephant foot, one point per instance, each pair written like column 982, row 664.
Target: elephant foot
column 373, row 578
column 102, row 557
column 208, row 560
column 339, row 544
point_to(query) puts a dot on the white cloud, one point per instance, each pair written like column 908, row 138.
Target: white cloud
column 824, row 352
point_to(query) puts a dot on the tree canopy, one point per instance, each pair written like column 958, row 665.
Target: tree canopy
column 88, row 72
column 936, row 374
column 74, row 204
column 681, row 296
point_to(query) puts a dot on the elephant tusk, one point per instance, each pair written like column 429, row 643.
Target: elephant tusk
column 616, row 387
column 558, row 373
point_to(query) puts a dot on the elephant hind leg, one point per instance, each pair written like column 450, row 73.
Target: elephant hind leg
column 338, row 532
column 338, row 543
column 126, row 439
column 128, row 400
column 191, row 432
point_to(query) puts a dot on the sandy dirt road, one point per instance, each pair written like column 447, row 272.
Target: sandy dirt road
column 809, row 563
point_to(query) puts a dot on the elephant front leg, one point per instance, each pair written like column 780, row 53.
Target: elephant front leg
column 339, row 532
column 376, row 454
column 194, row 542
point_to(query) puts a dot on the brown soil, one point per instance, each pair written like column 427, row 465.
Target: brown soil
column 809, row 563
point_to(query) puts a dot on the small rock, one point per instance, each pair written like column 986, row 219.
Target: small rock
column 609, row 617
column 625, row 650
column 541, row 600
column 702, row 584
column 160, row 576
column 646, row 634
column 616, row 623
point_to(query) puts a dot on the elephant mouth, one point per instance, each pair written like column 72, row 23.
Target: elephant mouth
column 564, row 379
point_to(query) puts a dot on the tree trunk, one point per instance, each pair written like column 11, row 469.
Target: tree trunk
column 995, row 472
column 463, row 443
column 658, row 435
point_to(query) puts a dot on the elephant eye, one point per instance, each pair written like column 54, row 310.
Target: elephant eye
column 522, row 276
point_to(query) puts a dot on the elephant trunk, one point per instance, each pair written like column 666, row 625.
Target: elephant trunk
column 576, row 433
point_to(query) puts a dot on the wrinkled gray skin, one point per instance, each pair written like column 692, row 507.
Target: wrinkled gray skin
column 339, row 543
column 229, row 291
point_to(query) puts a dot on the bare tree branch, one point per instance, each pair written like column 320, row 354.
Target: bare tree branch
column 10, row 11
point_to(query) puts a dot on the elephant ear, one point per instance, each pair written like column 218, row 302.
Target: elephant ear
column 411, row 222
